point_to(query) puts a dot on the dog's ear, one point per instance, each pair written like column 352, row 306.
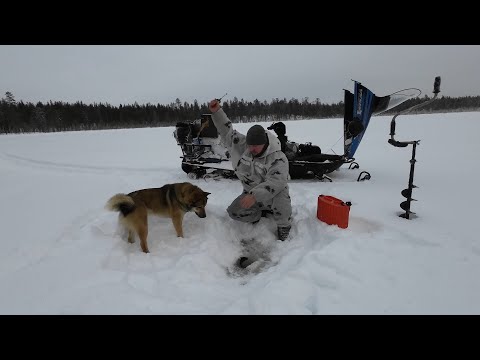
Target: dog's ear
column 206, row 193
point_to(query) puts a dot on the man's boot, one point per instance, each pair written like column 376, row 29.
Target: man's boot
column 244, row 261
column 283, row 232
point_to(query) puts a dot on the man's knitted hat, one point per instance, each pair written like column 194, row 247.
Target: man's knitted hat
column 256, row 135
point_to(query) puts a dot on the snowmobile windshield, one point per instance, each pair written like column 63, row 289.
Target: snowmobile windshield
column 389, row 102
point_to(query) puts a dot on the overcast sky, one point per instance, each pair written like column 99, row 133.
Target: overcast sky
column 123, row 74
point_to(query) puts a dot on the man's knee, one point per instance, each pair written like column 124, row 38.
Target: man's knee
column 232, row 211
column 282, row 210
column 236, row 212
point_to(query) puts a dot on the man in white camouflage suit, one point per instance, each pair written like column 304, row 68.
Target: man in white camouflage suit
column 262, row 168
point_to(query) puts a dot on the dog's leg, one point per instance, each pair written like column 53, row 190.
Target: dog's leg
column 141, row 227
column 177, row 219
column 142, row 234
column 131, row 236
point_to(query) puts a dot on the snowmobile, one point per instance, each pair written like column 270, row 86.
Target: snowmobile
column 205, row 156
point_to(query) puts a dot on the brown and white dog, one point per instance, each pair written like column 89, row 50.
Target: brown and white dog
column 171, row 201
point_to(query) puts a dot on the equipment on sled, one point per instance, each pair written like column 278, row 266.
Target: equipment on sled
column 407, row 193
column 205, row 156
column 306, row 161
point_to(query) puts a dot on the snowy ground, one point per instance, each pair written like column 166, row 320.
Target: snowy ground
column 62, row 253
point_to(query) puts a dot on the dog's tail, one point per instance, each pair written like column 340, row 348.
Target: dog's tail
column 122, row 203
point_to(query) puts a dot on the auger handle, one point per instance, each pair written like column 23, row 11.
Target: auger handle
column 436, row 85
column 392, row 128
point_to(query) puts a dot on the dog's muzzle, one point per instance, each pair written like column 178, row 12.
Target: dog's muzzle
column 200, row 212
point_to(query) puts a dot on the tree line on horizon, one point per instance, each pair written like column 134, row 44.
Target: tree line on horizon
column 20, row 117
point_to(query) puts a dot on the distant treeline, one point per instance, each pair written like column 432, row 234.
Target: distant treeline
column 20, row 117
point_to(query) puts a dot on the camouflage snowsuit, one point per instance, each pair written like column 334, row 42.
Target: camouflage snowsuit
column 265, row 176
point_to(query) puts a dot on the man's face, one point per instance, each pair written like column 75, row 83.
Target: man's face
column 255, row 149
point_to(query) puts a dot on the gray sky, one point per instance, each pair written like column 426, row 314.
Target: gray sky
column 161, row 73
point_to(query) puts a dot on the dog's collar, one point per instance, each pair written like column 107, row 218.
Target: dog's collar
column 184, row 207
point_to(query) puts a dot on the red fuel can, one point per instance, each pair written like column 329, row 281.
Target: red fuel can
column 333, row 211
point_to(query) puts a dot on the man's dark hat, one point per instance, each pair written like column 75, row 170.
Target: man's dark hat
column 256, row 135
